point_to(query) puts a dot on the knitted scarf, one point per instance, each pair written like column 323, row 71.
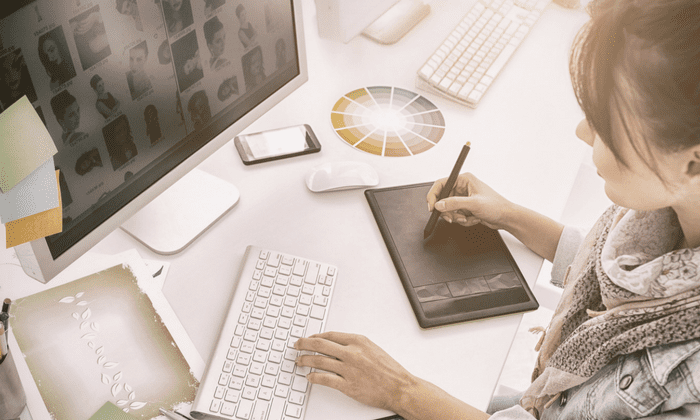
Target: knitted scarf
column 626, row 290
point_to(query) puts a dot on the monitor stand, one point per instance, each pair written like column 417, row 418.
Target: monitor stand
column 181, row 213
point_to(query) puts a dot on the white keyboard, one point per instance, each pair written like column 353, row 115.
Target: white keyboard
column 251, row 374
column 468, row 61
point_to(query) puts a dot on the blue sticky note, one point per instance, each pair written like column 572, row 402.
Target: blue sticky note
column 36, row 193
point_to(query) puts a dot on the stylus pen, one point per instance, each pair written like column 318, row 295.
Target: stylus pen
column 435, row 216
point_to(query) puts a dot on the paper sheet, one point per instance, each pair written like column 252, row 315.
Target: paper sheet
column 140, row 358
column 110, row 411
column 24, row 143
column 34, row 194
column 37, row 226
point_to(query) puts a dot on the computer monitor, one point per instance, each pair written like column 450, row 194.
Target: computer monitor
column 136, row 93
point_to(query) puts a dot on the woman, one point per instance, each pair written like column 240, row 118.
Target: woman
column 150, row 116
column 178, row 15
column 106, row 104
column 246, row 32
column 624, row 341
column 130, row 8
column 55, row 57
column 17, row 82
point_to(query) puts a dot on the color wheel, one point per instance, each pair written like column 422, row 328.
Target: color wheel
column 387, row 121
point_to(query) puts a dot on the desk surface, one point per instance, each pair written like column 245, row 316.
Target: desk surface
column 523, row 145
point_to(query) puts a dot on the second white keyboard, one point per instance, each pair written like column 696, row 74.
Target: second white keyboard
column 251, row 374
column 468, row 61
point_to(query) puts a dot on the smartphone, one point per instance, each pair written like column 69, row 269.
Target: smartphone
column 276, row 144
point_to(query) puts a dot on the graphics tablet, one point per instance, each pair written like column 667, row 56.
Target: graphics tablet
column 459, row 274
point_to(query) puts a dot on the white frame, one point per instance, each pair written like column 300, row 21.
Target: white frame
column 49, row 268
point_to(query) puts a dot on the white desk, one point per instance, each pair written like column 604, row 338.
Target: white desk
column 523, row 145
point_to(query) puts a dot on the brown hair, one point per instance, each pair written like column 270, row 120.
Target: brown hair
column 661, row 87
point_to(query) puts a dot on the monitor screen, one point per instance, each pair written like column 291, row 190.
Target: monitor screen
column 129, row 89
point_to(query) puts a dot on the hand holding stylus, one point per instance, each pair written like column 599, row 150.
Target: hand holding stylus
column 445, row 191
column 469, row 202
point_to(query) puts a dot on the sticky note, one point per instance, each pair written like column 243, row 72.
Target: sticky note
column 110, row 411
column 34, row 194
column 25, row 143
column 36, row 226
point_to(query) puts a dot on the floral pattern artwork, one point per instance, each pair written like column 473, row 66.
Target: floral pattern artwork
column 91, row 337
column 100, row 339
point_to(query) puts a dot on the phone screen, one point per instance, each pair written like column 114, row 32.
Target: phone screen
column 278, row 142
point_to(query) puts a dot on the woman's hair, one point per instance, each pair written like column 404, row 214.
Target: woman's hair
column 95, row 80
column 51, row 67
column 87, row 156
column 211, row 27
column 641, row 58
column 120, row 4
column 60, row 103
column 149, row 112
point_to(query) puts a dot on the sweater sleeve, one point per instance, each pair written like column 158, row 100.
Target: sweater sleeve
column 569, row 242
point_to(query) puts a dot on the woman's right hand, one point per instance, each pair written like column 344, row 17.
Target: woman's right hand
column 470, row 202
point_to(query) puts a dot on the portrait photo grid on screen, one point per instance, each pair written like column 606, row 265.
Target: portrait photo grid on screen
column 121, row 83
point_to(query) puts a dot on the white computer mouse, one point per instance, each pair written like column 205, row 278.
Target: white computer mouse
column 336, row 176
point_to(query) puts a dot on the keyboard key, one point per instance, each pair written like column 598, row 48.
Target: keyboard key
column 312, row 273
column 293, row 411
column 317, row 312
column 296, row 398
column 244, row 409
column 275, row 356
column 249, row 393
column 252, row 381
column 236, row 383
column 227, row 409
column 215, row 406
column 287, row 366
column 300, row 267
column 260, row 411
column 300, row 383
column 296, row 281
column 232, row 396
column 314, row 327
column 282, row 391
column 239, row 371
column 271, row 370
column 223, row 379
column 274, row 260
column 285, row 378
column 265, row 394
column 276, row 409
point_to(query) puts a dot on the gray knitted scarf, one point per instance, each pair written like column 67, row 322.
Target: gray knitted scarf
column 599, row 316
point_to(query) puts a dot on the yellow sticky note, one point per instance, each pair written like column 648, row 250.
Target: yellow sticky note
column 24, row 143
column 37, row 226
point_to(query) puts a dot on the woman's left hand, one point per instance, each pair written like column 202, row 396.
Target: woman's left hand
column 357, row 367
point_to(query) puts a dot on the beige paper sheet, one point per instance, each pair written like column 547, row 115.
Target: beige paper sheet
column 25, row 143
column 100, row 338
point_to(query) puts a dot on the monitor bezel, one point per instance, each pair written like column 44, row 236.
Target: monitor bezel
column 50, row 267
